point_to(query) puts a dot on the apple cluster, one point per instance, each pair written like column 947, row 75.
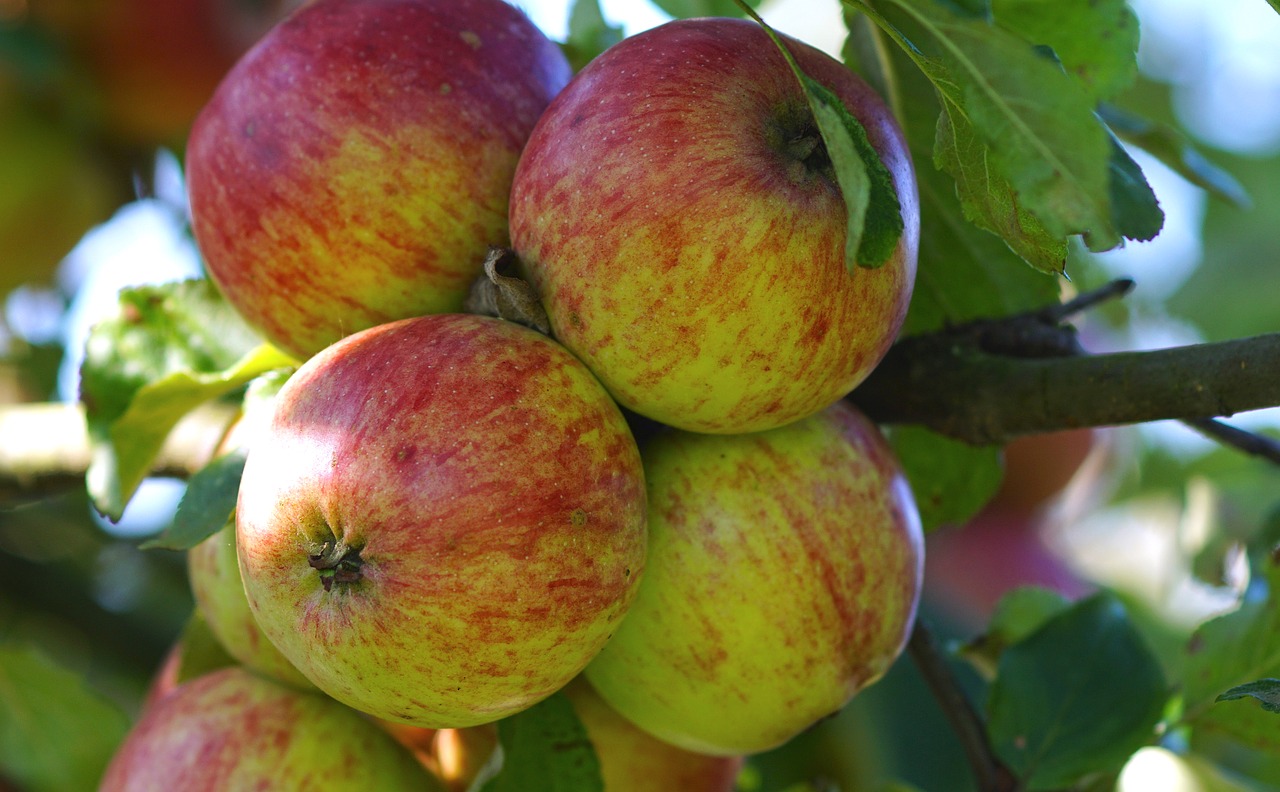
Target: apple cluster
column 445, row 518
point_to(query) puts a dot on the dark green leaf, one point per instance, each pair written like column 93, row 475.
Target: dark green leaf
column 55, row 732
column 199, row 651
column 1097, row 41
column 1018, row 614
column 171, row 348
column 206, row 505
column 1227, row 652
column 703, row 8
column 1135, row 212
column 964, row 273
column 544, row 749
column 951, row 480
column 1171, row 146
column 1266, row 691
column 1078, row 696
column 589, row 33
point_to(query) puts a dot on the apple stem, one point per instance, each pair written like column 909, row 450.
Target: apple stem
column 337, row 563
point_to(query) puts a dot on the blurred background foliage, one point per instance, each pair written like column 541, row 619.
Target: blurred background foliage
column 96, row 97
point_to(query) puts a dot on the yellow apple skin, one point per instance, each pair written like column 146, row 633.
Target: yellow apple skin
column 783, row 576
column 687, row 251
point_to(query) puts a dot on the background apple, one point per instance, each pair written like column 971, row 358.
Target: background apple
column 697, row 265
column 354, row 166
column 232, row 729
column 214, row 571
column 784, row 573
column 444, row 521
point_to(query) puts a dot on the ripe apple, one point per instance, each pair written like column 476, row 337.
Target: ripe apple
column 631, row 760
column 677, row 213
column 214, row 572
column 784, row 574
column 444, row 521
column 233, row 729
column 355, row 166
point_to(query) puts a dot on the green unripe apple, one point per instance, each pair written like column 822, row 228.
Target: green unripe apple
column 783, row 576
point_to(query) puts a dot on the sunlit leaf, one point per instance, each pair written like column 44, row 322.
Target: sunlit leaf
column 1097, row 42
column 55, row 732
column 1059, row 712
column 171, row 348
column 703, row 8
column 543, row 749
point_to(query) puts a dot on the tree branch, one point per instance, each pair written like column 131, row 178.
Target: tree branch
column 953, row 383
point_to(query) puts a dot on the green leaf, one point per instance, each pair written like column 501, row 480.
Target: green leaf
column 874, row 215
column 1017, row 133
column 964, row 273
column 1096, row 42
column 171, row 348
column 55, row 732
column 1076, row 697
column 543, row 749
column 1226, row 653
column 589, row 33
column 703, row 8
column 951, row 480
column 1169, row 145
column 1019, row 613
column 199, row 651
column 1135, row 212
column 1266, row 691
column 207, row 504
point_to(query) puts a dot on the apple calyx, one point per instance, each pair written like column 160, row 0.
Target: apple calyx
column 501, row 293
column 337, row 563
column 794, row 134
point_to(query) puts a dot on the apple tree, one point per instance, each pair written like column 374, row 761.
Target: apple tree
column 986, row 519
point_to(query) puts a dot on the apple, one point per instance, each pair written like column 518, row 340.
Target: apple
column 631, row 760
column 676, row 211
column 214, row 572
column 784, row 574
column 1038, row 468
column 354, row 167
column 233, row 729
column 444, row 520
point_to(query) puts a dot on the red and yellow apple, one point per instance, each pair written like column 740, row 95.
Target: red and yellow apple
column 784, row 574
column 355, row 166
column 444, row 520
column 232, row 729
column 678, row 215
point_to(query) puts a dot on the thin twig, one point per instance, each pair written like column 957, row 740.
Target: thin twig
column 990, row 773
column 1240, row 439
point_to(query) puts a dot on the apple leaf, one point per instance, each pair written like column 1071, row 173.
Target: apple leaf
column 543, row 749
column 1057, row 714
column 1019, row 613
column 1134, row 208
column 589, row 33
column 1226, row 653
column 951, row 480
column 171, row 348
column 1266, row 691
column 874, row 214
column 206, row 506
column 1174, row 149
column 1097, row 42
column 199, row 650
column 55, row 732
column 704, row 8
column 1017, row 132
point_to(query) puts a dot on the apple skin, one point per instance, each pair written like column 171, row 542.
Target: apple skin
column 233, row 729
column 354, row 167
column 784, row 574
column 473, row 504
column 683, row 253
column 631, row 760
column 214, row 571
